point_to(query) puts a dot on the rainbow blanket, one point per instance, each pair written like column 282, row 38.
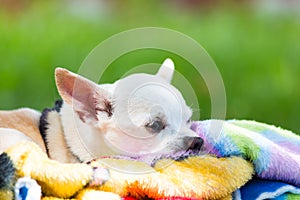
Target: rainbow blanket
column 274, row 152
column 233, row 151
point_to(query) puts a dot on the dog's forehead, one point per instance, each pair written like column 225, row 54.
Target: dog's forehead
column 147, row 87
column 144, row 93
column 140, row 78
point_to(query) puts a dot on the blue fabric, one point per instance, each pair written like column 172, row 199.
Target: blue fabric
column 23, row 191
column 265, row 189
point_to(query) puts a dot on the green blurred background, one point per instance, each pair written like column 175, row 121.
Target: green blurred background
column 255, row 44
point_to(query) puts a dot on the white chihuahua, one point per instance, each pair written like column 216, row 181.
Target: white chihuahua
column 139, row 115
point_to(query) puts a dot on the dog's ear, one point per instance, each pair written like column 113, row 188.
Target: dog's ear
column 166, row 70
column 86, row 97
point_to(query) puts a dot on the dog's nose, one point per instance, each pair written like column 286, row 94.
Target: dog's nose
column 193, row 143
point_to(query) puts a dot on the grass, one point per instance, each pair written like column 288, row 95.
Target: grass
column 256, row 52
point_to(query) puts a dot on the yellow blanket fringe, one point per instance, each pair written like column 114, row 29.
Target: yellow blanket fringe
column 200, row 177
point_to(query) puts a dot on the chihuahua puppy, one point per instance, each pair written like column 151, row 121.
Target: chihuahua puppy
column 138, row 115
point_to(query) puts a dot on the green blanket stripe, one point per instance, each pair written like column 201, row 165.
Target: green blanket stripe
column 260, row 127
column 249, row 149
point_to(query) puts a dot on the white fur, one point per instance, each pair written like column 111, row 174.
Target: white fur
column 136, row 100
column 55, row 138
column 109, row 119
column 166, row 70
column 84, row 140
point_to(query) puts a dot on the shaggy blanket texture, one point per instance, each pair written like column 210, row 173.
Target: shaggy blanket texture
column 274, row 152
column 240, row 160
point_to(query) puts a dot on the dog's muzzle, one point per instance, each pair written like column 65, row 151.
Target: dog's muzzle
column 193, row 144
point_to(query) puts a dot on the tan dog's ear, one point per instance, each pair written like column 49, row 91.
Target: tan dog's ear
column 166, row 70
column 86, row 97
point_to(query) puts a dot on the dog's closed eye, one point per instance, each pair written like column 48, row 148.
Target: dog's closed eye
column 155, row 126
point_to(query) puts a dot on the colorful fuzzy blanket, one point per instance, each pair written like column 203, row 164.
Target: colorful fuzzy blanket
column 274, row 152
column 233, row 151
